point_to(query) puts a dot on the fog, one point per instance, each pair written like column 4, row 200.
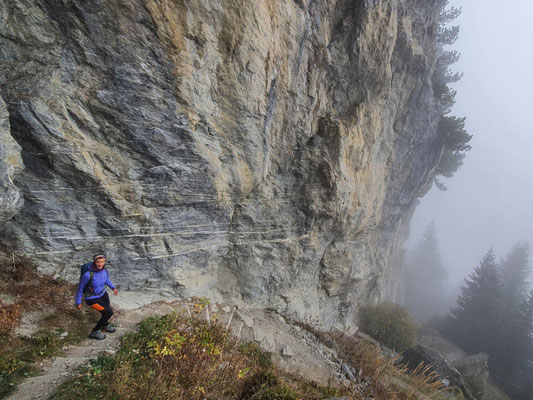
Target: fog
column 489, row 201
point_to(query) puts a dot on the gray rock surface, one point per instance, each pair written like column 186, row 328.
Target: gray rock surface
column 267, row 153
column 10, row 164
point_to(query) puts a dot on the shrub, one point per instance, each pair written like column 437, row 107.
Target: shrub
column 390, row 324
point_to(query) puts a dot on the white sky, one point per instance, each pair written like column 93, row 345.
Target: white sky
column 489, row 201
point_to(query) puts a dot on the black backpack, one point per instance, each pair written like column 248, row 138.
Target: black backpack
column 88, row 290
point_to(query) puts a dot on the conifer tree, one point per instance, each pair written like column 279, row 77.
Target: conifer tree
column 515, row 271
column 425, row 277
column 494, row 314
column 473, row 324
column 513, row 353
column 528, row 371
column 452, row 136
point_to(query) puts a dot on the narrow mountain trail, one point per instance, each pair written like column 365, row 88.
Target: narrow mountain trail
column 294, row 349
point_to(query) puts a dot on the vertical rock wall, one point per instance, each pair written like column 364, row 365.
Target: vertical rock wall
column 265, row 152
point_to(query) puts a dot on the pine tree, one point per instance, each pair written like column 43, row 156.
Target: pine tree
column 452, row 136
column 473, row 324
column 425, row 277
column 528, row 371
column 515, row 271
column 513, row 354
column 494, row 314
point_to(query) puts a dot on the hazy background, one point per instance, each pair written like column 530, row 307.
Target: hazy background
column 489, row 201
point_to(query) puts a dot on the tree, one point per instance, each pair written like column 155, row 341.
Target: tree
column 515, row 271
column 512, row 358
column 448, row 15
column 425, row 276
column 454, row 138
column 513, row 354
column 447, row 35
column 494, row 314
column 473, row 324
column 528, row 373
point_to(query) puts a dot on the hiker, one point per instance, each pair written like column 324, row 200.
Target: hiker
column 93, row 281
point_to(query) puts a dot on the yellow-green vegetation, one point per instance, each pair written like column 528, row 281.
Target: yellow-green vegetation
column 175, row 357
column 390, row 324
column 31, row 291
column 179, row 357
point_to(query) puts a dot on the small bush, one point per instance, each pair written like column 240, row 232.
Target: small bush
column 390, row 324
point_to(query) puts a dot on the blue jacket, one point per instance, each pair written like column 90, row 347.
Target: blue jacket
column 100, row 280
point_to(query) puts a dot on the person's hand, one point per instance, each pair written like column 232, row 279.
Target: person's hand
column 78, row 306
column 115, row 291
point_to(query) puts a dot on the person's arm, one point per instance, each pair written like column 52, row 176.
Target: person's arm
column 83, row 282
column 110, row 284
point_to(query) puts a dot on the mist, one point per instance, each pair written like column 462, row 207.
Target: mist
column 481, row 227
column 489, row 200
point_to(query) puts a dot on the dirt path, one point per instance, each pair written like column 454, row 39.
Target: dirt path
column 294, row 349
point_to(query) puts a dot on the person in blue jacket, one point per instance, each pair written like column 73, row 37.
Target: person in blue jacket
column 96, row 295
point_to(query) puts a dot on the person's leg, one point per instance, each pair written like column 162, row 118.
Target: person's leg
column 107, row 327
column 105, row 299
column 103, row 307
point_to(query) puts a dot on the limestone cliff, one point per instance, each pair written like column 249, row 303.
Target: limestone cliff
column 267, row 152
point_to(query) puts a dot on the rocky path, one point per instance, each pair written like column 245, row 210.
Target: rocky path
column 294, row 349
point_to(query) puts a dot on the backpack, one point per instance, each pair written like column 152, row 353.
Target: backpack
column 88, row 290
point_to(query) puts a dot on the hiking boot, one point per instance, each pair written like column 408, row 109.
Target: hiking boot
column 109, row 328
column 98, row 335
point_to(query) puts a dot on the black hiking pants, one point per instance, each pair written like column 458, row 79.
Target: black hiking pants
column 103, row 305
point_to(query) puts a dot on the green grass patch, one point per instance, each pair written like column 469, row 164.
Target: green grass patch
column 31, row 292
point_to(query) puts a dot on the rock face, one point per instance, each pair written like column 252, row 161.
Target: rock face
column 10, row 164
column 267, row 152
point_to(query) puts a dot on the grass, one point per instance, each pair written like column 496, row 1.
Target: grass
column 175, row 357
column 179, row 357
column 385, row 378
column 31, row 291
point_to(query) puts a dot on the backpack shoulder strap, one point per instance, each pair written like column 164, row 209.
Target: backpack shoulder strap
column 88, row 286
